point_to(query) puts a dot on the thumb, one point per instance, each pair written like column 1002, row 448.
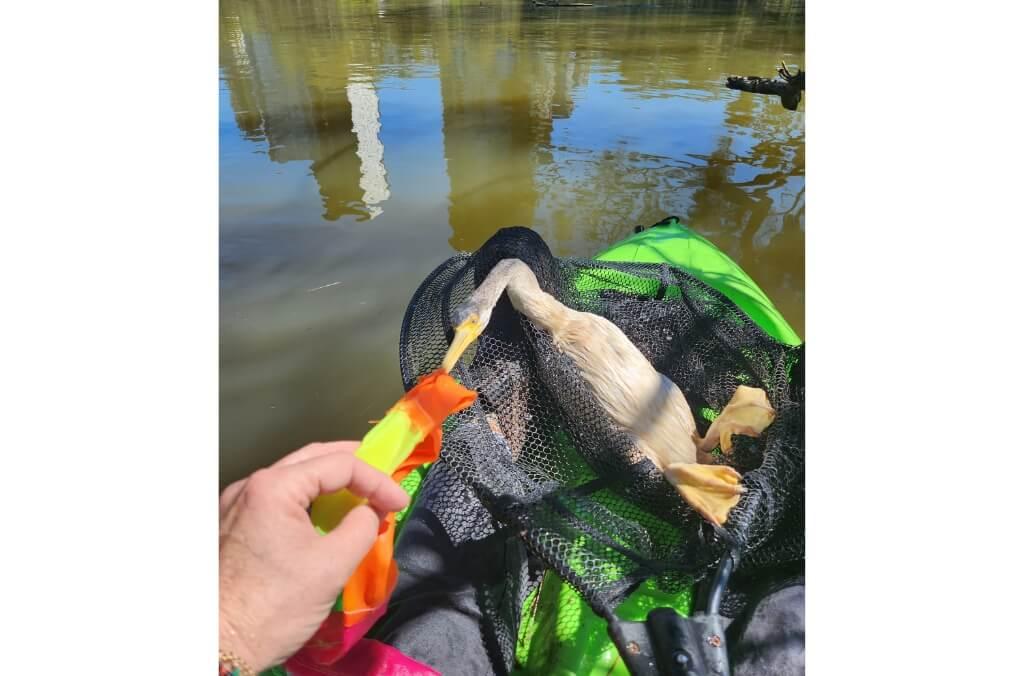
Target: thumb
column 330, row 472
column 352, row 539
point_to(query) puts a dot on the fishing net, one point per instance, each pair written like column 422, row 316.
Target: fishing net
column 536, row 462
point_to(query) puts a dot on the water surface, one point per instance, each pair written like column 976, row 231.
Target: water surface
column 362, row 143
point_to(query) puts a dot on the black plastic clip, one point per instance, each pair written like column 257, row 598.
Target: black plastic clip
column 668, row 644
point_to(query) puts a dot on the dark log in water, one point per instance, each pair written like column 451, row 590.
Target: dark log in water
column 787, row 86
column 555, row 3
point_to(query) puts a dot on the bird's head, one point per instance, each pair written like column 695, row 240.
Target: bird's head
column 473, row 315
column 469, row 324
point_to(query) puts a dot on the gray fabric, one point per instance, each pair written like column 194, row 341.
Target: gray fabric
column 434, row 614
column 768, row 640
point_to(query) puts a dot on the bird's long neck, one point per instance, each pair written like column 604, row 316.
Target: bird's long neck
column 515, row 277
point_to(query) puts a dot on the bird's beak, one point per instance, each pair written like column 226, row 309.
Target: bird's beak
column 465, row 333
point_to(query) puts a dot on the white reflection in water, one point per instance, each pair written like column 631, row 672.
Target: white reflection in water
column 366, row 124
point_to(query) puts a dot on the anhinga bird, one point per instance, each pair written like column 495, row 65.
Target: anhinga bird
column 633, row 394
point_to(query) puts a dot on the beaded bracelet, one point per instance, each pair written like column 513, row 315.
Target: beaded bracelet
column 233, row 665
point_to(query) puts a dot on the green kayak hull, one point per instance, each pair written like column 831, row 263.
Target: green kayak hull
column 673, row 243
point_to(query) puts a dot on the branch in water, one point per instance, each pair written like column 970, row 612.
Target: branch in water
column 788, row 86
column 557, row 3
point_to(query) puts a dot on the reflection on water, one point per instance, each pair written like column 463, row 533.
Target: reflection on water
column 363, row 142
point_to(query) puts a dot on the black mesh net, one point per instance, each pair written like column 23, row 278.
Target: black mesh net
column 548, row 465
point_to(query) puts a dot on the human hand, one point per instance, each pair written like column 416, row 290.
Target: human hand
column 278, row 577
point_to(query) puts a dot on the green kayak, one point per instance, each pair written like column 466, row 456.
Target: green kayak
column 673, row 243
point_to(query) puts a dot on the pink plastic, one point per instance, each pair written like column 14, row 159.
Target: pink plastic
column 366, row 658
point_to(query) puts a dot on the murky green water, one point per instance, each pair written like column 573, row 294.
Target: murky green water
column 363, row 142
